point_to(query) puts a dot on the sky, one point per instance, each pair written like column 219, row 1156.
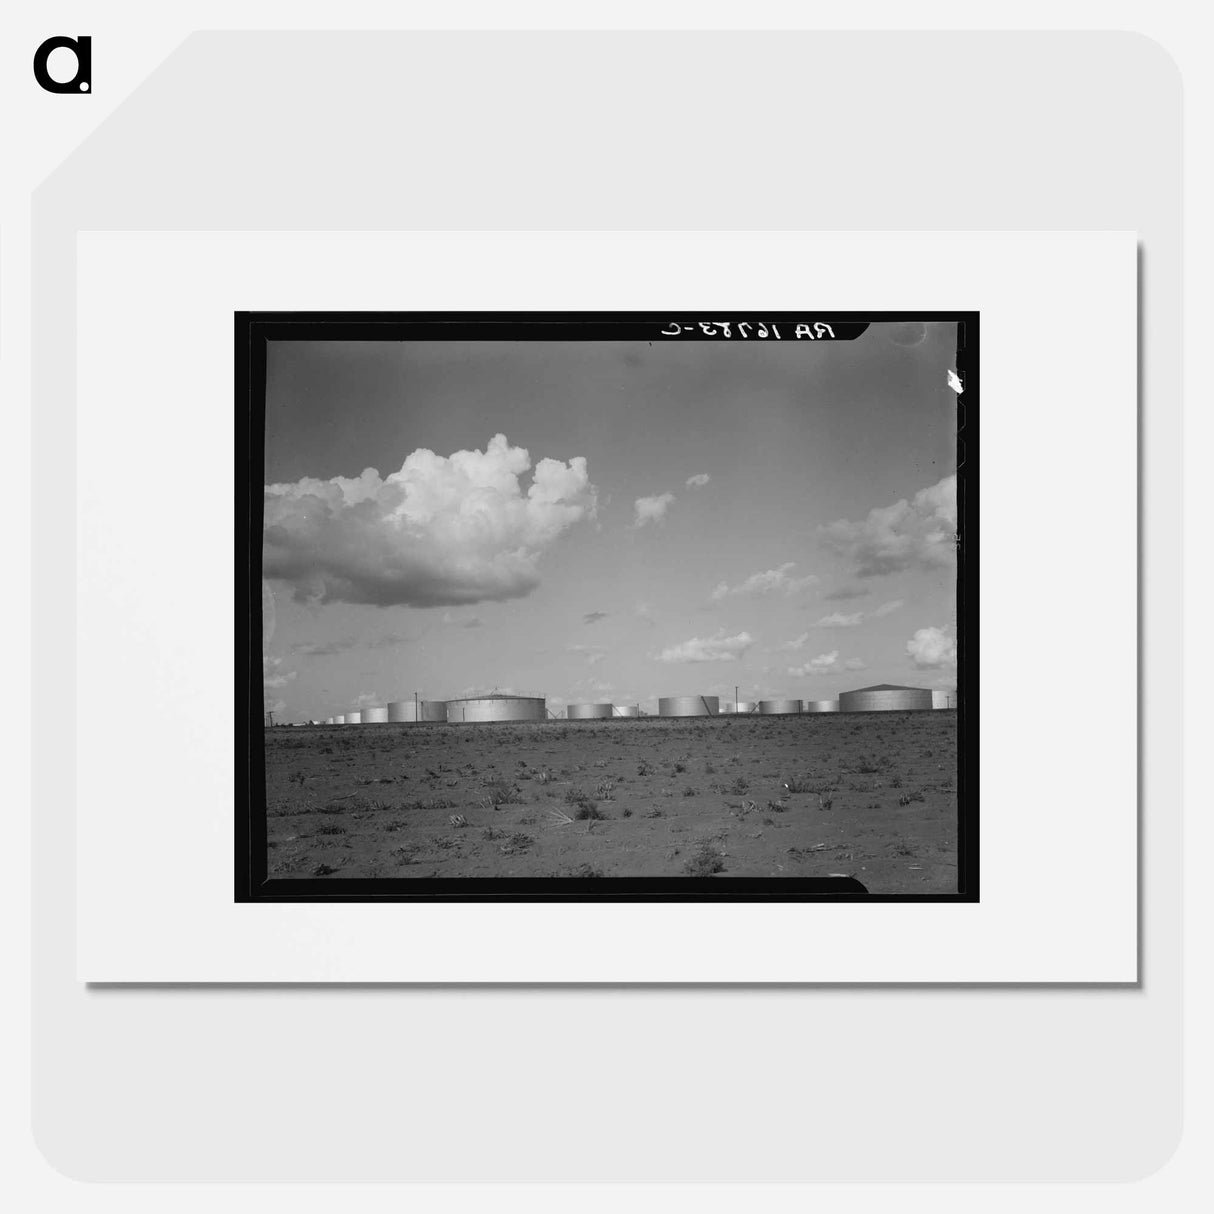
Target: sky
column 608, row 521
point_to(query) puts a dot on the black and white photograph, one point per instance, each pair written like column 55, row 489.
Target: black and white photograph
column 607, row 605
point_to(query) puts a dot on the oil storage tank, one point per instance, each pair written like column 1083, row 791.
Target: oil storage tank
column 689, row 706
column 497, row 708
column 748, row 708
column 339, row 719
column 417, row 710
column 354, row 718
column 589, row 712
column 375, row 716
column 779, row 708
column 885, row 697
column 943, row 699
column 820, row 706
column 626, row 710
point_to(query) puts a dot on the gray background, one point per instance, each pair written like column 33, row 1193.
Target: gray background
column 555, row 131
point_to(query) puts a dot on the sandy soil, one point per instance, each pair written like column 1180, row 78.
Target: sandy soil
column 869, row 795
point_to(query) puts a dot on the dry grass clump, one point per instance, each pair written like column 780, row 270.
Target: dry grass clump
column 706, row 862
column 503, row 792
column 586, row 870
column 587, row 807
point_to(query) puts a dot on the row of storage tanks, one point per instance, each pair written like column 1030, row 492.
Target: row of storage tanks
column 478, row 708
column 882, row 698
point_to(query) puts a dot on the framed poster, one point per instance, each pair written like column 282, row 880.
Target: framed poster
column 668, row 514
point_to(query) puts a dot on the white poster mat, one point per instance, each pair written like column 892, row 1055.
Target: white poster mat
column 154, row 570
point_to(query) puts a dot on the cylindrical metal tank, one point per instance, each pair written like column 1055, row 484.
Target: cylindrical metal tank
column 375, row 716
column 626, row 710
column 885, row 697
column 354, row 718
column 339, row 719
column 779, row 708
column 589, row 712
column 328, row 720
column 497, row 708
column 417, row 710
column 943, row 699
column 820, row 706
column 689, row 706
column 746, row 707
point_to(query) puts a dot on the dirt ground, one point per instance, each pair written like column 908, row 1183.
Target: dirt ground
column 870, row 795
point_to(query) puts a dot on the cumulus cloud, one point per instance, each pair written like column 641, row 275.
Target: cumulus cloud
column 915, row 534
column 770, row 581
column 932, row 649
column 651, row 509
column 443, row 531
column 716, row 648
column 698, row 481
column 593, row 617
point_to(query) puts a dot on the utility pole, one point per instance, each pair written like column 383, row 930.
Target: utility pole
column 415, row 708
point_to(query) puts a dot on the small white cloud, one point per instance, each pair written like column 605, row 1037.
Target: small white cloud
column 838, row 620
column 472, row 621
column 887, row 608
column 651, row 509
column 932, row 649
column 824, row 663
column 698, row 481
column 796, row 644
column 645, row 614
column 770, row 581
column 272, row 674
column 593, row 654
column 716, row 648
